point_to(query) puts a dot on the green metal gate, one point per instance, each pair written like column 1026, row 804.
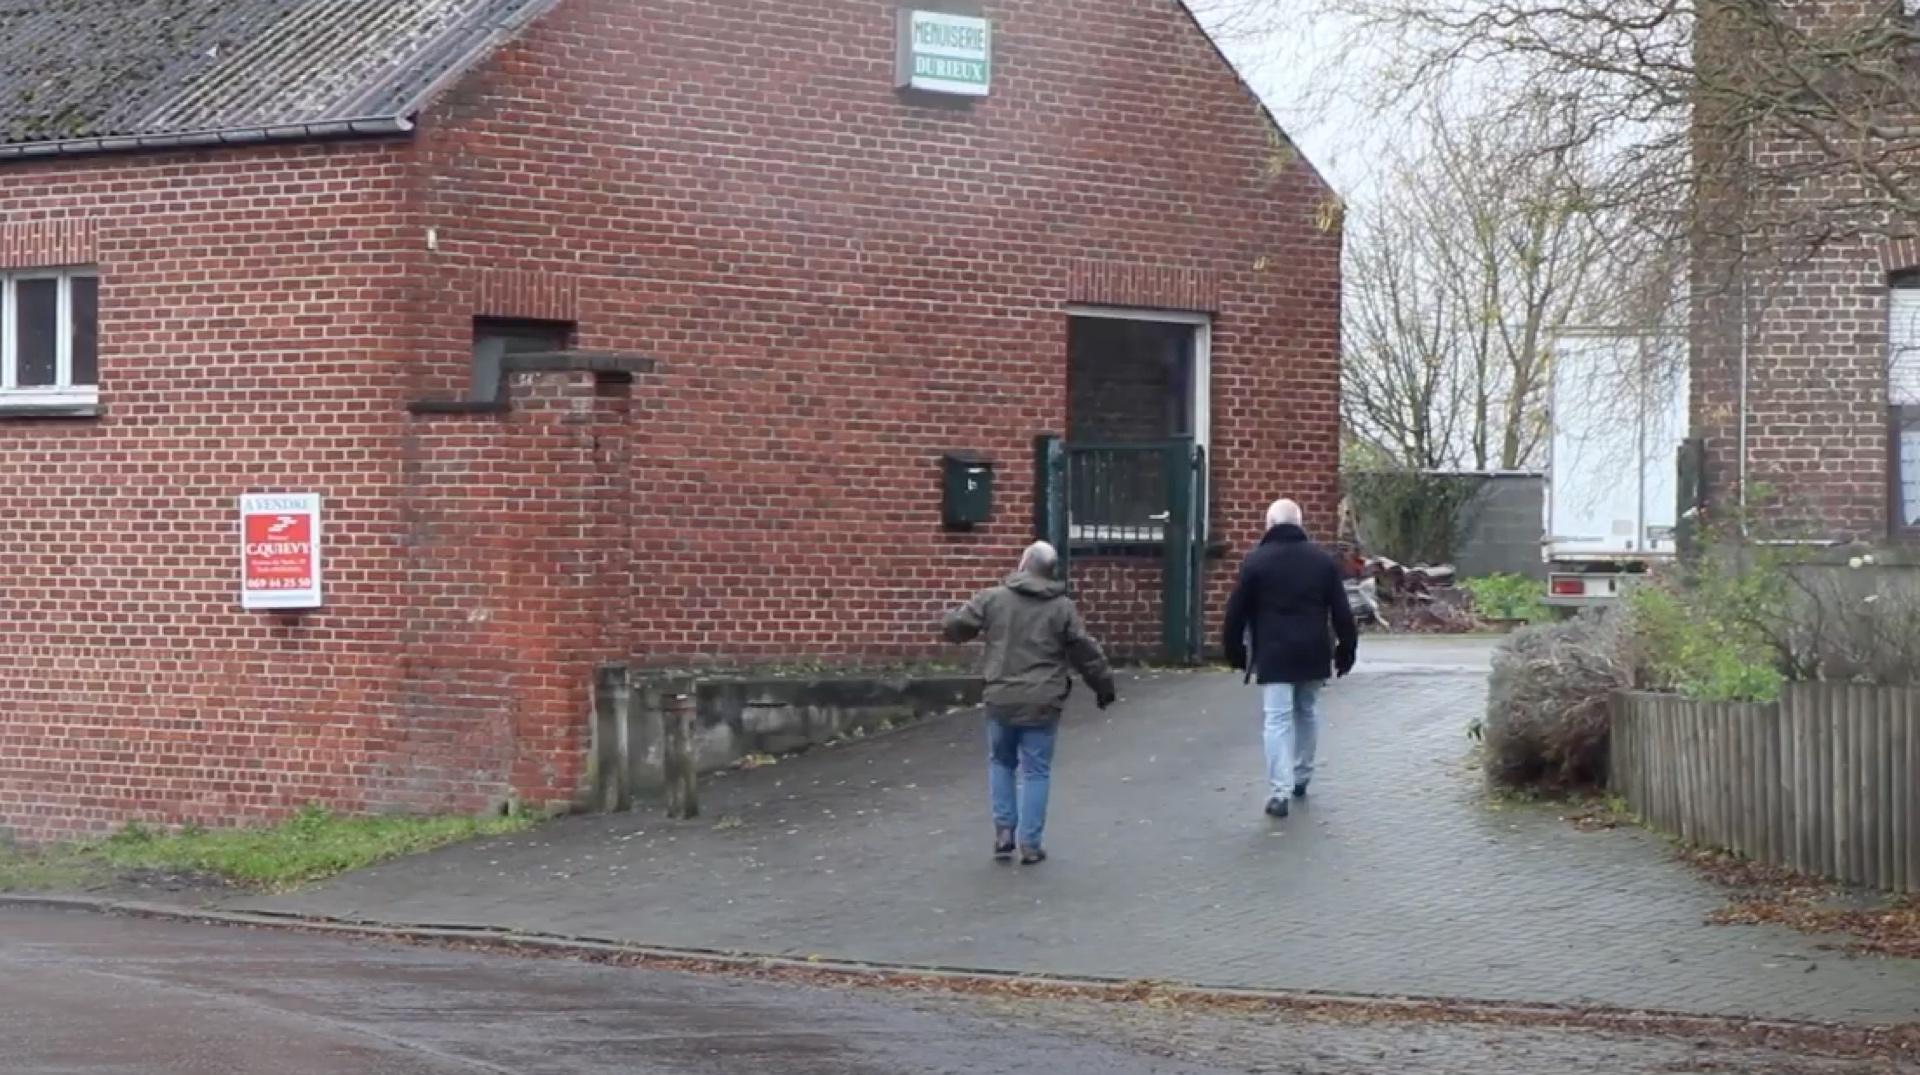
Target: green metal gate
column 1132, row 499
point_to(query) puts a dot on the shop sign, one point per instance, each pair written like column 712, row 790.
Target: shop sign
column 942, row 52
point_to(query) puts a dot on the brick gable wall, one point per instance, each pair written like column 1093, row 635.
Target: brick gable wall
column 840, row 284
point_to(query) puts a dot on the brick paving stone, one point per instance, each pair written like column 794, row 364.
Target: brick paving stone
column 1396, row 877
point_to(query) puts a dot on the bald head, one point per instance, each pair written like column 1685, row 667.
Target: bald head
column 1040, row 560
column 1283, row 513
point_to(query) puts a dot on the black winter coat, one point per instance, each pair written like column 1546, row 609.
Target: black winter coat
column 1290, row 595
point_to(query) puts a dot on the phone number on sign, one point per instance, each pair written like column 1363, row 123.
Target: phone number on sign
column 280, row 584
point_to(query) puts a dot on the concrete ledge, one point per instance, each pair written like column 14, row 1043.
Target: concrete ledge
column 746, row 716
column 736, row 716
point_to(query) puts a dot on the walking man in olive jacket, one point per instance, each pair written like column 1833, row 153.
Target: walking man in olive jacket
column 1035, row 640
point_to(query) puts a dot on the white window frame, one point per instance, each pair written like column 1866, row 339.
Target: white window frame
column 1202, row 387
column 1903, row 391
column 63, row 392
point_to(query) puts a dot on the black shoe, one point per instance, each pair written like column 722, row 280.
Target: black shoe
column 1003, row 844
column 1300, row 790
column 1277, row 807
column 1032, row 856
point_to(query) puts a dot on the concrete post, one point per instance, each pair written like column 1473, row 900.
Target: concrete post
column 677, row 718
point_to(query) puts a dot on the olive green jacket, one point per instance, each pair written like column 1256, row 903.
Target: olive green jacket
column 1035, row 640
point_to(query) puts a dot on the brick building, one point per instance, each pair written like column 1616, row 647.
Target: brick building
column 604, row 331
column 1806, row 300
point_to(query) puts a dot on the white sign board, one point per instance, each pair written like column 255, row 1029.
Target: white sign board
column 941, row 52
column 280, row 551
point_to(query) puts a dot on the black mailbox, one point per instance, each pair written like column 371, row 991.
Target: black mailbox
column 966, row 490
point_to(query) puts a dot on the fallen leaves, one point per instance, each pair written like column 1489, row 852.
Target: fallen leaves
column 1886, row 931
column 1775, row 895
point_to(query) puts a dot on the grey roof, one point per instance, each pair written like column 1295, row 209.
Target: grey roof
column 76, row 72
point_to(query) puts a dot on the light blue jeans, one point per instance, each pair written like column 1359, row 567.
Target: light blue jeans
column 1293, row 733
column 1019, row 772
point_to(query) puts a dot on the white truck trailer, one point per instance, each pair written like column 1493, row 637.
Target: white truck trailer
column 1617, row 411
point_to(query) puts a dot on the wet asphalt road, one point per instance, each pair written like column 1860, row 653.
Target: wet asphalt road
column 91, row 995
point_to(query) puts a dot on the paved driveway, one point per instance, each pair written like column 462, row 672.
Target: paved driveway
column 1395, row 878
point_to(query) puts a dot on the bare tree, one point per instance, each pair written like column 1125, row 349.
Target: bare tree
column 1480, row 245
column 1692, row 96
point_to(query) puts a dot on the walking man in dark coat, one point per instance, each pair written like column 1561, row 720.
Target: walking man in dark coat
column 1035, row 641
column 1290, row 628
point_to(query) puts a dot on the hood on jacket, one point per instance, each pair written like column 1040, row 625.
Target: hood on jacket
column 1028, row 584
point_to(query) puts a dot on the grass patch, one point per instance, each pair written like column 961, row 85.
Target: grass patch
column 36, row 871
column 1508, row 597
column 310, row 846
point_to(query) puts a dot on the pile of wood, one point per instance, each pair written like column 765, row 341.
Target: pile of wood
column 1395, row 597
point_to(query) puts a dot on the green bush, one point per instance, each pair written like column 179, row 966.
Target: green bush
column 1508, row 597
column 1736, row 625
column 1412, row 516
column 1705, row 641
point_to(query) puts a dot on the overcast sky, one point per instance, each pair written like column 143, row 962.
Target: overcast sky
column 1298, row 68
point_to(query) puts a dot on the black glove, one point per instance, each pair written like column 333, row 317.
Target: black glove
column 1237, row 659
column 1343, row 662
column 1105, row 698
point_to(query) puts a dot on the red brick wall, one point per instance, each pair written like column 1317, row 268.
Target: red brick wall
column 251, row 339
column 1816, row 445
column 518, row 577
column 837, row 284
column 1120, row 598
column 260, row 319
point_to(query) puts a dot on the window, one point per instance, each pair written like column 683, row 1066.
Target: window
column 1903, row 397
column 49, row 337
column 495, row 338
column 1130, row 381
column 1134, row 378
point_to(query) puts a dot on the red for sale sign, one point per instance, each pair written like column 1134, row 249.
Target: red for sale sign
column 280, row 562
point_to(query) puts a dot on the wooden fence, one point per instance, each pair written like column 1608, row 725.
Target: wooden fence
column 1826, row 781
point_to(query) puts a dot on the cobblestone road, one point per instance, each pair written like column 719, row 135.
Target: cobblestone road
column 1395, row 878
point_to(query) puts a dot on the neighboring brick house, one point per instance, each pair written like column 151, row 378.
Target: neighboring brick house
column 1805, row 313
column 607, row 331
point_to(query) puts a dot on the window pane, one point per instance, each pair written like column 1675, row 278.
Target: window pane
column 86, row 330
column 1128, row 381
column 36, row 332
column 1903, row 346
column 1910, row 475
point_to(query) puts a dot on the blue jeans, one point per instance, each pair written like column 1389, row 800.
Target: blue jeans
column 1293, row 733
column 1019, row 765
